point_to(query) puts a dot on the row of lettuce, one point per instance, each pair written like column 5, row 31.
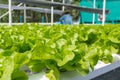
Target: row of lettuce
column 55, row 49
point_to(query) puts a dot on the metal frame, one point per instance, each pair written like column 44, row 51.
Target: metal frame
column 52, row 4
column 94, row 6
column 10, row 12
column 63, row 7
column 24, row 13
column 59, row 12
column 19, row 7
column 104, row 16
column 52, row 15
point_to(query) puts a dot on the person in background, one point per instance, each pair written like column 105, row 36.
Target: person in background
column 66, row 18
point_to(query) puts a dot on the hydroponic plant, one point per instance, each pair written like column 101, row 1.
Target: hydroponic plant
column 55, row 49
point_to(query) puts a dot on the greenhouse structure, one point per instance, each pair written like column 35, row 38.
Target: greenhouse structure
column 42, row 3
column 56, row 51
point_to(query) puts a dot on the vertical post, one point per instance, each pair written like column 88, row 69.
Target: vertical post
column 46, row 17
column 10, row 12
column 52, row 14
column 21, row 18
column 104, row 6
column 24, row 13
column 63, row 7
column 43, row 19
column 94, row 6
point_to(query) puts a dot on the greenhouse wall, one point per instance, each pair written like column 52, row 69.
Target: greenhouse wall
column 111, row 5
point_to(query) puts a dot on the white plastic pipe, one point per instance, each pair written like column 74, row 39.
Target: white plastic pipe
column 10, row 12
column 24, row 13
column 94, row 6
column 104, row 7
column 63, row 8
column 52, row 16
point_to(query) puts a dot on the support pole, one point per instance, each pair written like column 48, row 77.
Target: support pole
column 24, row 13
column 10, row 12
column 104, row 7
column 94, row 6
column 52, row 13
column 63, row 8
